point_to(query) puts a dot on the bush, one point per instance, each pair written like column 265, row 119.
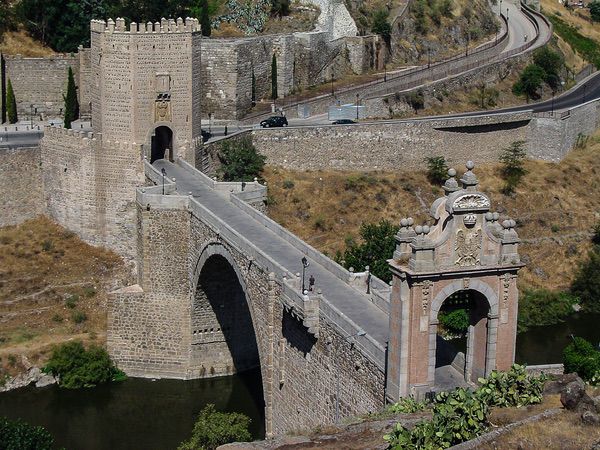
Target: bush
column 11, row 104
column 437, row 169
column 580, row 356
column 595, row 10
column 512, row 159
column 586, row 284
column 456, row 321
column 551, row 62
column 529, row 82
column 288, row 184
column 77, row 367
column 378, row 245
column 19, row 435
column 240, row 161
column 538, row 307
column 407, row 405
column 416, row 100
column 512, row 388
column 214, row 428
column 381, row 25
column 446, row 7
column 78, row 317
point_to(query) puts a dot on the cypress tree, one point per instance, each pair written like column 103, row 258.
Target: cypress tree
column 71, row 103
column 204, row 18
column 274, row 77
column 11, row 104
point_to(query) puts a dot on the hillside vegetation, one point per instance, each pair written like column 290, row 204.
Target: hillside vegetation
column 555, row 206
column 53, row 289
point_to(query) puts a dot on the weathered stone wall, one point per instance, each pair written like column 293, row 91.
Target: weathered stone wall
column 40, row 82
column 89, row 186
column 391, row 146
column 21, row 191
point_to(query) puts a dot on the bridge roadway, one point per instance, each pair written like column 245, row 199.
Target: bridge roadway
column 354, row 304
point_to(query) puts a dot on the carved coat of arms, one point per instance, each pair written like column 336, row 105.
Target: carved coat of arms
column 162, row 111
column 468, row 246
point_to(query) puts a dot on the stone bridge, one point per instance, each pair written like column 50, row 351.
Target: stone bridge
column 220, row 290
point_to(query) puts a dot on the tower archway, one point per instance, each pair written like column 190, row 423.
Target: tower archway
column 161, row 143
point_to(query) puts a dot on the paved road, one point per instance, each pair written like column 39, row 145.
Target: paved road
column 351, row 302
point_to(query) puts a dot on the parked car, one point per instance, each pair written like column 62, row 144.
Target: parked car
column 274, row 121
column 343, row 122
column 205, row 135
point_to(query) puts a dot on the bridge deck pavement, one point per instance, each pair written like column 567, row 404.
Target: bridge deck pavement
column 348, row 300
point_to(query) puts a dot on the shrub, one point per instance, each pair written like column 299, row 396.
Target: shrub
column 19, row 435
column 71, row 301
column 529, row 82
column 11, row 104
column 57, row 318
column 70, row 99
column 538, row 307
column 77, row 367
column 381, row 25
column 586, row 284
column 446, row 7
column 456, row 321
column 416, row 100
column 378, row 245
column 512, row 159
column 280, row 8
column 78, row 317
column 437, row 169
column 580, row 356
column 214, row 428
column 288, row 184
column 240, row 161
column 551, row 62
column 595, row 10
column 407, row 405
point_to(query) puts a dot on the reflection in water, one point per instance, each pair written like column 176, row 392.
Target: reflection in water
column 544, row 345
column 135, row 414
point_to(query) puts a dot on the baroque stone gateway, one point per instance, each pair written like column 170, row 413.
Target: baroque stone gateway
column 221, row 288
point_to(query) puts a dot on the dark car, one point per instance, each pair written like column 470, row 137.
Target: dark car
column 343, row 122
column 205, row 135
column 274, row 121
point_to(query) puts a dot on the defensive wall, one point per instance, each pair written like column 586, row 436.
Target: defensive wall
column 21, row 191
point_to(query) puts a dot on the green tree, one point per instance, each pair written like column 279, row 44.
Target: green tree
column 19, row 435
column 377, row 246
column 551, row 62
column 446, row 7
column 538, row 307
column 274, row 77
column 513, row 168
column 71, row 103
column 239, row 160
column 214, row 428
column 580, row 356
column 78, row 367
column 11, row 104
column 586, row 284
column 381, row 25
column 437, row 169
column 595, row 10
column 202, row 10
column 529, row 82
column 416, row 100
column 456, row 321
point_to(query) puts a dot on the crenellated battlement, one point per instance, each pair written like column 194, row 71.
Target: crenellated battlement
column 70, row 135
column 165, row 26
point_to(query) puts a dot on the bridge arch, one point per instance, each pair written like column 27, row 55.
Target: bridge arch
column 223, row 333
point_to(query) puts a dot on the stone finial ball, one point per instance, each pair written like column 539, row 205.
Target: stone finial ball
column 451, row 172
column 489, row 216
column 426, row 229
column 470, row 165
column 418, row 229
column 506, row 224
column 404, row 222
column 410, row 221
column 496, row 216
column 513, row 223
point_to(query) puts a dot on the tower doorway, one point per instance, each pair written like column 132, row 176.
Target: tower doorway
column 161, row 142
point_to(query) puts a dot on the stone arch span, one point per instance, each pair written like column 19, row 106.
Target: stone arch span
column 480, row 354
column 223, row 333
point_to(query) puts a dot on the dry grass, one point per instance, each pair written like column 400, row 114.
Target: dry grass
column 20, row 43
column 555, row 206
column 48, row 277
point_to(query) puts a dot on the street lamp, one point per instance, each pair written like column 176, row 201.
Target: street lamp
column 384, row 74
column 552, row 110
column 337, row 377
column 428, row 57
column 356, row 106
column 305, row 264
column 164, row 172
column 332, row 83
column 31, row 115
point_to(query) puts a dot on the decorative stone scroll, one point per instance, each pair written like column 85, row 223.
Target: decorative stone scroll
column 468, row 247
column 471, row 201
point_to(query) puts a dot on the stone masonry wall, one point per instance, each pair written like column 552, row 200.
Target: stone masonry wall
column 390, row 146
column 40, row 82
column 21, row 190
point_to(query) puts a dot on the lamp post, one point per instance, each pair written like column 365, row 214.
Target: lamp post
column 500, row 8
column 164, row 172
column 552, row 107
column 210, row 122
column 507, row 14
column 332, row 83
column 337, row 376
column 305, row 264
column 428, row 57
column 384, row 74
column 31, row 115
column 357, row 107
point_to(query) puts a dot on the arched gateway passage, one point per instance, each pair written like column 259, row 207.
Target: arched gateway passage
column 161, row 141
column 462, row 338
column 223, row 336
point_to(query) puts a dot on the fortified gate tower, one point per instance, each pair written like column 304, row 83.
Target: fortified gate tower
column 466, row 258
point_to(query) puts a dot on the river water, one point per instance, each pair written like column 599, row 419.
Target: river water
column 149, row 415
